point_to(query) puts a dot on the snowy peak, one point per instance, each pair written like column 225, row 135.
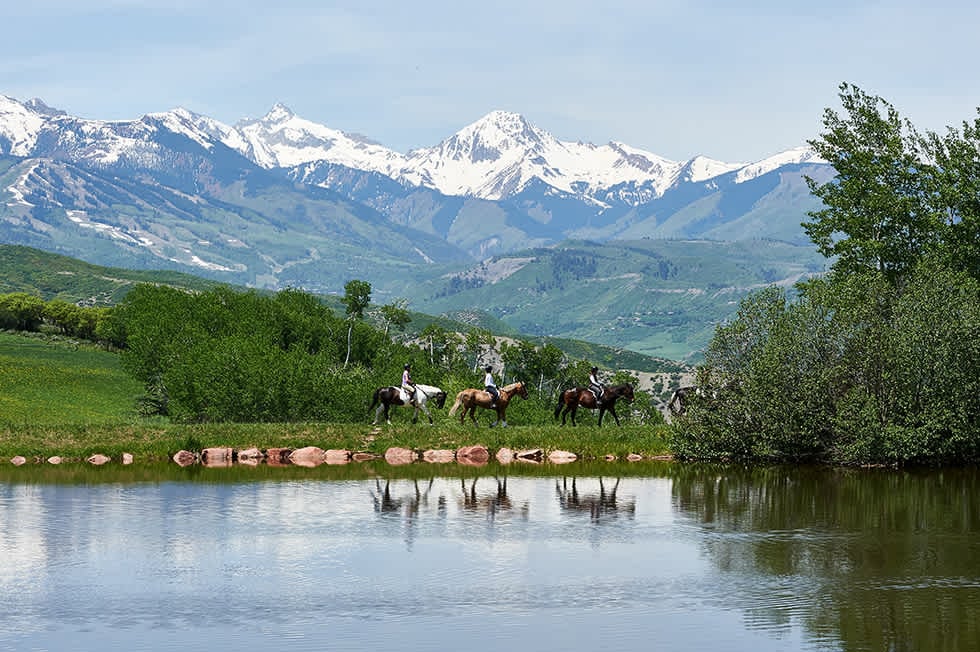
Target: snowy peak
column 201, row 129
column 278, row 113
column 283, row 139
column 497, row 135
column 794, row 156
column 702, row 168
column 20, row 125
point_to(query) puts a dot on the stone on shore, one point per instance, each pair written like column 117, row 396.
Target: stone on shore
column 308, row 456
column 440, row 456
column 397, row 456
column 217, row 456
column 184, row 458
column 278, row 456
column 98, row 459
column 336, row 456
column 561, row 457
column 18, row 460
column 530, row 455
column 250, row 454
column 473, row 455
column 505, row 456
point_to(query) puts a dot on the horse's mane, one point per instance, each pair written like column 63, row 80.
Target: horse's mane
column 510, row 387
column 428, row 389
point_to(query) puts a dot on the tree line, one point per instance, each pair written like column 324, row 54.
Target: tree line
column 229, row 355
column 876, row 362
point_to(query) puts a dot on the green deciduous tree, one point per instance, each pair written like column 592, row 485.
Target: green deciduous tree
column 880, row 210
column 356, row 299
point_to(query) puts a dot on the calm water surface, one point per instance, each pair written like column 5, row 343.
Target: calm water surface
column 675, row 558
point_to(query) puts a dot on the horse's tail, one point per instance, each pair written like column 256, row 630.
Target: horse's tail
column 375, row 398
column 561, row 403
column 459, row 401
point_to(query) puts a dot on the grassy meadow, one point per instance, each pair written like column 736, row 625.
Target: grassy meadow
column 60, row 397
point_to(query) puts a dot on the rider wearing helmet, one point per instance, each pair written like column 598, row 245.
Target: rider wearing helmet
column 595, row 386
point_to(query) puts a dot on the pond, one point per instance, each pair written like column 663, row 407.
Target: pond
column 625, row 557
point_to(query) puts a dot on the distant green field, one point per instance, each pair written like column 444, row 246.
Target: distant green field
column 58, row 382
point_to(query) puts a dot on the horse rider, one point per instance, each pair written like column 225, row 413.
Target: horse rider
column 491, row 386
column 595, row 386
column 408, row 384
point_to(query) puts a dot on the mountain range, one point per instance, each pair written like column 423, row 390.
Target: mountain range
column 282, row 201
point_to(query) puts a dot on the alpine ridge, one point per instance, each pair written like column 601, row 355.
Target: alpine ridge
column 281, row 201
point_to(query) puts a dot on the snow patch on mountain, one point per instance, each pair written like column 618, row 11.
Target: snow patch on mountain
column 793, row 156
column 19, row 127
column 282, row 139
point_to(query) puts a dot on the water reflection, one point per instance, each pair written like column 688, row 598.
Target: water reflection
column 600, row 505
column 894, row 556
column 691, row 556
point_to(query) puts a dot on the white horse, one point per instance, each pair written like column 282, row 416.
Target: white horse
column 397, row 396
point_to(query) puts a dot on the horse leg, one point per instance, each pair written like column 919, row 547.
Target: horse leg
column 427, row 413
column 377, row 415
column 612, row 411
column 415, row 414
column 572, row 412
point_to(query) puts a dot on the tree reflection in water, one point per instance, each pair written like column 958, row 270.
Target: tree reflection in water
column 892, row 557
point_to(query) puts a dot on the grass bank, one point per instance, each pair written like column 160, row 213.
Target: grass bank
column 65, row 398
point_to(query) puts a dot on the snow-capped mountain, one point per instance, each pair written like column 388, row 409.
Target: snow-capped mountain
column 494, row 158
column 188, row 189
column 282, row 139
column 281, row 201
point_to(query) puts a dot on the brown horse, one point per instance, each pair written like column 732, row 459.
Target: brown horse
column 575, row 397
column 470, row 399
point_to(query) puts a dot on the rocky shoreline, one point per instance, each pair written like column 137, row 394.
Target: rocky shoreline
column 311, row 456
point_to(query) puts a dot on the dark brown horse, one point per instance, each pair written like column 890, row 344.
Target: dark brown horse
column 470, row 399
column 575, row 397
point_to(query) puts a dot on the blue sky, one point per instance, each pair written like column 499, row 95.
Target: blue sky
column 678, row 78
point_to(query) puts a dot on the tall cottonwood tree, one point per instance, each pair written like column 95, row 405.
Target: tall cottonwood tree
column 875, row 363
column 356, row 299
column 879, row 210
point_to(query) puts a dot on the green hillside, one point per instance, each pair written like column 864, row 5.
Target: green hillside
column 91, row 386
column 661, row 298
column 52, row 276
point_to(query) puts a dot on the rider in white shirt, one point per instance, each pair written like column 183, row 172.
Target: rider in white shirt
column 491, row 386
column 407, row 384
